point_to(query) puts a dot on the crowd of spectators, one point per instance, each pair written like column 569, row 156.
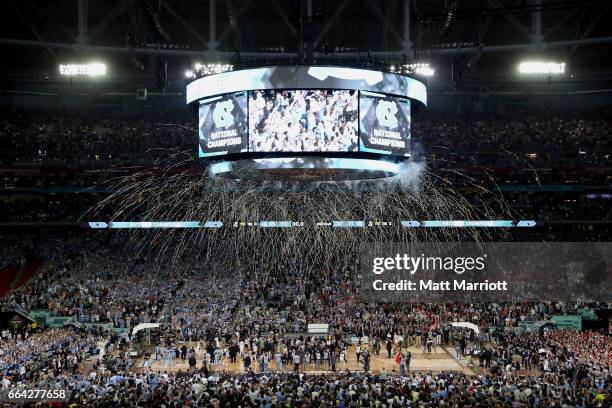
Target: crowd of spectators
column 536, row 141
column 519, row 142
column 249, row 315
column 249, row 312
column 85, row 141
column 444, row 389
column 26, row 354
column 70, row 159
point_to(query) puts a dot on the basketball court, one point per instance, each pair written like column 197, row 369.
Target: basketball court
column 438, row 360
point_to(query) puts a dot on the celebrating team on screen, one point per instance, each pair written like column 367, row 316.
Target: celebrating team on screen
column 303, row 121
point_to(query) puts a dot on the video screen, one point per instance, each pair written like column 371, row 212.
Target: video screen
column 307, row 77
column 303, row 121
column 223, row 125
column 384, row 124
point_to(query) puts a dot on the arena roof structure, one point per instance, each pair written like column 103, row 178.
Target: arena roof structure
column 457, row 35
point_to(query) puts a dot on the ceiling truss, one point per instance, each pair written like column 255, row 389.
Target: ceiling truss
column 533, row 34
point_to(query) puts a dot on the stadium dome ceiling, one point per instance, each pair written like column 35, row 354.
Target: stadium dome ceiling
column 36, row 35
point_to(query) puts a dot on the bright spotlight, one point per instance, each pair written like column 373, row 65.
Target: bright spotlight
column 198, row 66
column 189, row 74
column 92, row 69
column 541, row 67
column 423, row 69
column 211, row 69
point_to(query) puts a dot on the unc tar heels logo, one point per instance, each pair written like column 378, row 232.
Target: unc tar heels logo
column 385, row 113
column 222, row 114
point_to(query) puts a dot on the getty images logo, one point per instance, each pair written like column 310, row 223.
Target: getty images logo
column 222, row 114
column 386, row 112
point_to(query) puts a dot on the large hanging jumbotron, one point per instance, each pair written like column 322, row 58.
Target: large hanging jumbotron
column 311, row 123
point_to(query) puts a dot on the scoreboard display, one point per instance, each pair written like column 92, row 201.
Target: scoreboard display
column 305, row 109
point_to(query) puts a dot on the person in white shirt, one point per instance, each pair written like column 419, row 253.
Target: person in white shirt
column 5, row 382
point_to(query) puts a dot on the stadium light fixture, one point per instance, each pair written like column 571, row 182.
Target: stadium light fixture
column 421, row 68
column 541, row 67
column 210, row 69
column 91, row 69
column 189, row 74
